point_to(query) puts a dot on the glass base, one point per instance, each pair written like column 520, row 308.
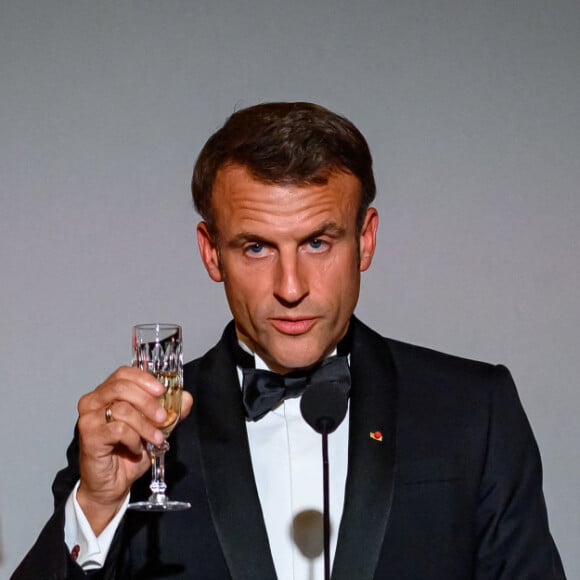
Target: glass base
column 166, row 506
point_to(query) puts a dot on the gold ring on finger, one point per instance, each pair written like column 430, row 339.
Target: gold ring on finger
column 109, row 413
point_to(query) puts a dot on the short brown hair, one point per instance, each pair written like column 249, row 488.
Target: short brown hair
column 298, row 143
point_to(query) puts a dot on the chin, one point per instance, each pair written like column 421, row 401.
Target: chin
column 298, row 362
column 295, row 352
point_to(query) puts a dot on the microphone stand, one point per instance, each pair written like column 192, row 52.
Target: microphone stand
column 324, row 406
column 326, row 508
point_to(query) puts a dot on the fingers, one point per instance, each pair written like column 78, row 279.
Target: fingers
column 129, row 426
column 129, row 384
column 125, row 410
column 130, row 394
column 186, row 404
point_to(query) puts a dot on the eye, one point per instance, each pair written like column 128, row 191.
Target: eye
column 255, row 249
column 317, row 245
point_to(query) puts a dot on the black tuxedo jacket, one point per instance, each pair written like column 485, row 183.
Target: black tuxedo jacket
column 452, row 492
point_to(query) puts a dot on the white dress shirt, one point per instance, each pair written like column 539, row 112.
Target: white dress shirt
column 287, row 462
column 91, row 550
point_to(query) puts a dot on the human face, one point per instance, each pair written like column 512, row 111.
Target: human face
column 290, row 259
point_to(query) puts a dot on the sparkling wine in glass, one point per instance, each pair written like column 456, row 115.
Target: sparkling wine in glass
column 158, row 349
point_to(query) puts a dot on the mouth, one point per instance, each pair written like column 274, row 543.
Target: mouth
column 293, row 326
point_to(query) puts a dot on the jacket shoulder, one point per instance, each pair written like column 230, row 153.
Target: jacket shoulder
column 410, row 351
column 417, row 362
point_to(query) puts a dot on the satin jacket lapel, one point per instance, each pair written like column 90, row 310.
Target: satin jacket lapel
column 371, row 462
column 227, row 467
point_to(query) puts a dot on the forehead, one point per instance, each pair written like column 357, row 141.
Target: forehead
column 240, row 198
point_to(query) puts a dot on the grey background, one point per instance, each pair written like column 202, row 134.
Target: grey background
column 472, row 110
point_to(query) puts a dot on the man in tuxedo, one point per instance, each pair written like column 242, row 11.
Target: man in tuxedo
column 435, row 472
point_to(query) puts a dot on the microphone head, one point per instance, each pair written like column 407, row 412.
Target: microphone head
column 324, row 405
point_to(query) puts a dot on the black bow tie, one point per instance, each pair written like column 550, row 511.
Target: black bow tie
column 262, row 390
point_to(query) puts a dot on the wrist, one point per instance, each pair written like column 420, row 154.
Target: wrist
column 98, row 510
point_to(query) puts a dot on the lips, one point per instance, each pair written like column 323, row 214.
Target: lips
column 293, row 326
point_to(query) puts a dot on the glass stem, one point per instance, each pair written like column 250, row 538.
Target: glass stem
column 158, row 485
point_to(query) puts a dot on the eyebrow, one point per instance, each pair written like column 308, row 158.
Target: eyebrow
column 328, row 228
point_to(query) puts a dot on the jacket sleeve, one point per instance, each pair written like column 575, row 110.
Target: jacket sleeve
column 49, row 558
column 514, row 536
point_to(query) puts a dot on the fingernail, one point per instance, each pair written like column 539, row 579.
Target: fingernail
column 160, row 415
column 158, row 438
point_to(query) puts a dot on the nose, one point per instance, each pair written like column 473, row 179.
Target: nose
column 291, row 284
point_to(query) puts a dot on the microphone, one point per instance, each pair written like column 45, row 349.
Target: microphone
column 324, row 407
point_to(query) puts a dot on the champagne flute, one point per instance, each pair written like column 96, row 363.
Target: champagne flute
column 158, row 349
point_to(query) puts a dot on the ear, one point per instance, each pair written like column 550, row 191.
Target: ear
column 368, row 238
column 209, row 252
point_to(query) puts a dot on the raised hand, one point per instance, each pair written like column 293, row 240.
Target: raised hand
column 113, row 453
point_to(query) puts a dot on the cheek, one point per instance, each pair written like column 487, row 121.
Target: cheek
column 337, row 281
column 248, row 278
column 342, row 269
column 245, row 291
